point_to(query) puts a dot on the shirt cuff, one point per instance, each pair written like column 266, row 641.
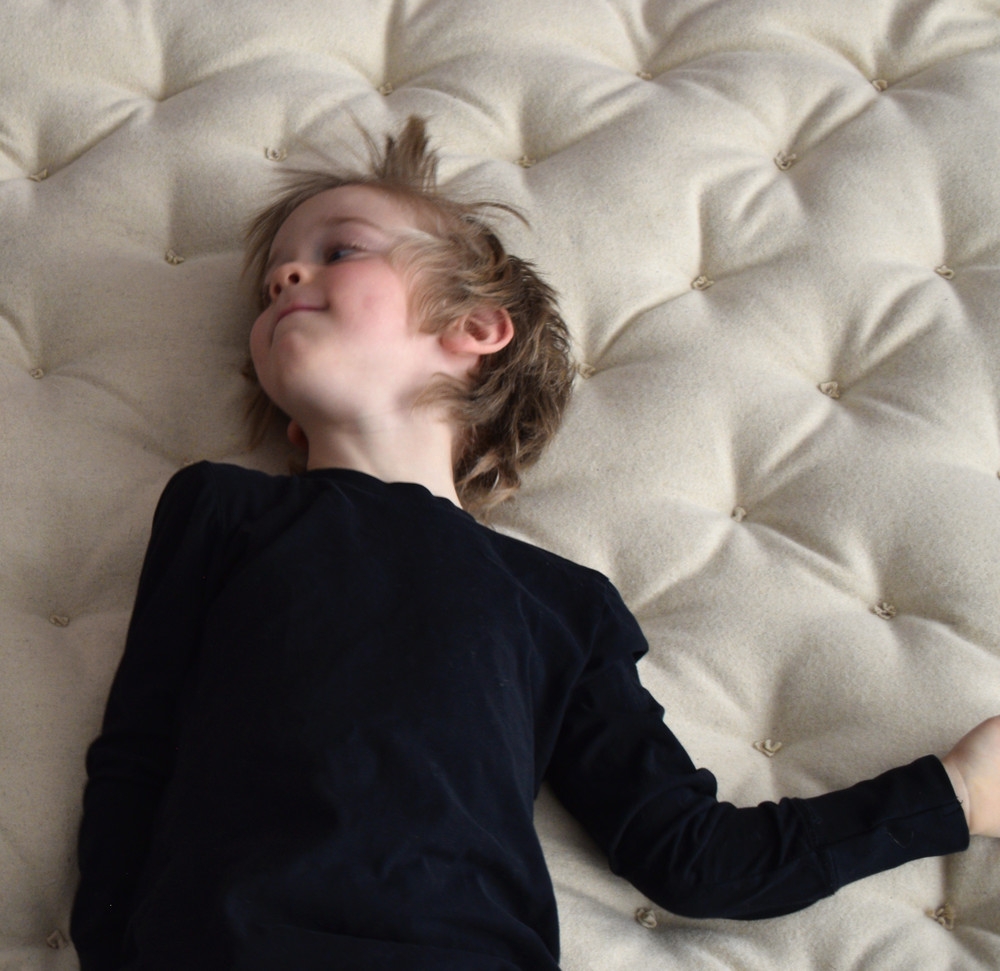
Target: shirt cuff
column 904, row 814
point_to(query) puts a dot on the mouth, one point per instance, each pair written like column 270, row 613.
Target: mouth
column 294, row 309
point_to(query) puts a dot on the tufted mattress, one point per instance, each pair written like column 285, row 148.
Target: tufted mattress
column 775, row 229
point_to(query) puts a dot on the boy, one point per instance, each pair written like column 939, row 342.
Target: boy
column 340, row 692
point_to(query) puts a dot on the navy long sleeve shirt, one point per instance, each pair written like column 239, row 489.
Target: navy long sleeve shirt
column 337, row 702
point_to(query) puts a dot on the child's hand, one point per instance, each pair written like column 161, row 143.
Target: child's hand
column 974, row 767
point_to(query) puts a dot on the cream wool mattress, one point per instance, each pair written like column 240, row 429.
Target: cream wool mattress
column 775, row 227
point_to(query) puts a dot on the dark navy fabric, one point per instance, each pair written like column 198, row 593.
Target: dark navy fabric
column 337, row 702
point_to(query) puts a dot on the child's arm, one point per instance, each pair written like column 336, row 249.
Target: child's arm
column 625, row 776
column 973, row 766
column 131, row 761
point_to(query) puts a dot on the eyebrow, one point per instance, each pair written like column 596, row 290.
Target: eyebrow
column 326, row 224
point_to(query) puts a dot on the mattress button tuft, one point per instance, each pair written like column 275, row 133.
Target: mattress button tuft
column 768, row 747
column 944, row 915
column 702, row 283
column 884, row 610
column 945, row 271
column 173, row 258
column 275, row 154
column 831, row 389
column 57, row 940
column 880, row 84
column 646, row 916
column 785, row 160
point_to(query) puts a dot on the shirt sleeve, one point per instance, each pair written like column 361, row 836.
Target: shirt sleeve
column 624, row 775
column 130, row 762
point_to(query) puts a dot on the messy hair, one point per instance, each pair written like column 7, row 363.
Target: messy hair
column 514, row 403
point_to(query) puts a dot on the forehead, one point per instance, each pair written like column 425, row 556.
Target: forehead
column 344, row 204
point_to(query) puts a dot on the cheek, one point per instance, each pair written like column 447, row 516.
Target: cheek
column 258, row 332
column 379, row 294
column 258, row 344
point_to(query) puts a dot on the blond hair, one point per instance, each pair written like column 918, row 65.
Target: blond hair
column 516, row 397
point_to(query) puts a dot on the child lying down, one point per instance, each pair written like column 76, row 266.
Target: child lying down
column 341, row 692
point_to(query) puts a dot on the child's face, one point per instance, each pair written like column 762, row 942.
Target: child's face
column 336, row 339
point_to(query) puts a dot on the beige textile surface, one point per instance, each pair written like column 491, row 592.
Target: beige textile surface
column 774, row 226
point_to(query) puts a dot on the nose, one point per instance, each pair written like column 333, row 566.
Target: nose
column 284, row 276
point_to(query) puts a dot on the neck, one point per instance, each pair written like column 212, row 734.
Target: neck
column 412, row 448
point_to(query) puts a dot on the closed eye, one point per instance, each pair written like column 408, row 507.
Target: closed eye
column 340, row 252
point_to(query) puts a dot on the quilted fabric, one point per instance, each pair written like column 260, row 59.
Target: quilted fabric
column 774, row 229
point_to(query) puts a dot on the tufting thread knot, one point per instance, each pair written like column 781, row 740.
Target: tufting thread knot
column 646, row 917
column 944, row 915
column 768, row 747
column 785, row 160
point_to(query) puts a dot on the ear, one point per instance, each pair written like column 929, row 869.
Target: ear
column 484, row 331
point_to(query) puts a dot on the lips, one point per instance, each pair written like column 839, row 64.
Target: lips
column 292, row 309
